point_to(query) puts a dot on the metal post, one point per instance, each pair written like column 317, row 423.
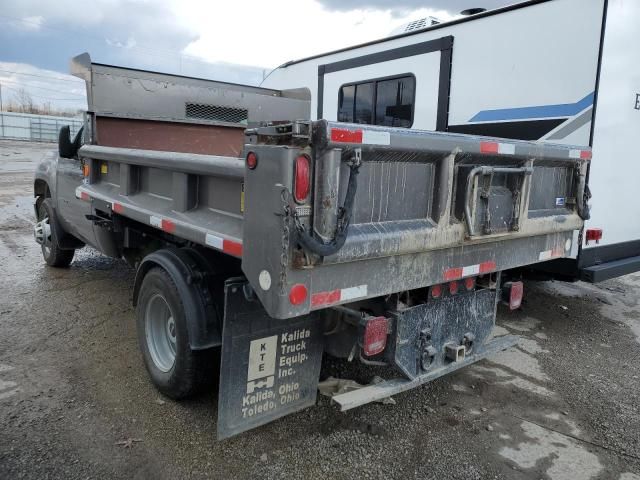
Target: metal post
column 1, row 114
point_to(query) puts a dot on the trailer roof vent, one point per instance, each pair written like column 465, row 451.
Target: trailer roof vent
column 418, row 24
column 472, row 11
column 218, row 113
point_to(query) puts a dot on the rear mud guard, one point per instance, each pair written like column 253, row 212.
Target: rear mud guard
column 270, row 368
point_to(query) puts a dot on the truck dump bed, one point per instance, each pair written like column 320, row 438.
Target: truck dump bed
column 387, row 209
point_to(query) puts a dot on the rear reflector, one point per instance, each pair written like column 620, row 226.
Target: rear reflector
column 117, row 207
column 469, row 283
column 375, row 336
column 302, row 180
column 593, row 234
column 297, row 294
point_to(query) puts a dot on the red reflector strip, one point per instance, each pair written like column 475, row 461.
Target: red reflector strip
column 227, row 246
column 340, row 295
column 325, row 298
column 470, row 270
column 499, row 148
column 549, row 254
column 343, row 135
column 168, row 226
column 117, row 207
column 581, row 154
column 163, row 224
column 232, row 248
column 488, row 147
column 82, row 195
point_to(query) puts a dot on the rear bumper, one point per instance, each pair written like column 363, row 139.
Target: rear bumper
column 372, row 393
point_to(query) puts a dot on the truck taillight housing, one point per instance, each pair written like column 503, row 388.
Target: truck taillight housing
column 512, row 293
column 593, row 235
column 252, row 160
column 374, row 339
column 302, row 178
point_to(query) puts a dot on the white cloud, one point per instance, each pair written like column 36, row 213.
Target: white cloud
column 268, row 34
column 32, row 22
column 63, row 92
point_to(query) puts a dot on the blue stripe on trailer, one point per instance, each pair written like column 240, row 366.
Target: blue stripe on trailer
column 542, row 111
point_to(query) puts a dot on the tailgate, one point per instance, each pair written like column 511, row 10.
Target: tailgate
column 428, row 207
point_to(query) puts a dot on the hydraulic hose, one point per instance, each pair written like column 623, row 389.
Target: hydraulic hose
column 316, row 246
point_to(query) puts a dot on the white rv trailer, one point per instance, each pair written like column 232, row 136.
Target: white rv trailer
column 533, row 71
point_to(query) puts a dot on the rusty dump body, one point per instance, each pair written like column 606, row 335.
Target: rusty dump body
column 333, row 227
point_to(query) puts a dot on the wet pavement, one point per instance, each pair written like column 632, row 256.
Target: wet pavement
column 75, row 400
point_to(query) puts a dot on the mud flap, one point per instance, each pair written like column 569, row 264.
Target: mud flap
column 269, row 368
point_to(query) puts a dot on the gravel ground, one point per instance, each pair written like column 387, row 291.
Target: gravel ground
column 75, row 400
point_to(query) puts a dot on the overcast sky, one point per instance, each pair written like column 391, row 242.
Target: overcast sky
column 234, row 41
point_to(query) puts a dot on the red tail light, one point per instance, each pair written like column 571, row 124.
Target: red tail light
column 375, row 336
column 453, row 287
column 593, row 234
column 436, row 291
column 302, row 183
column 514, row 293
column 252, row 160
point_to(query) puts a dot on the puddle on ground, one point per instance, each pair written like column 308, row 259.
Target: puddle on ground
column 566, row 458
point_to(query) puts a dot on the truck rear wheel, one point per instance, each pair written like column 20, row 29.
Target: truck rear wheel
column 48, row 234
column 175, row 369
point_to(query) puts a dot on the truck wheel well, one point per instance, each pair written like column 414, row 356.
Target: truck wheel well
column 41, row 189
column 203, row 322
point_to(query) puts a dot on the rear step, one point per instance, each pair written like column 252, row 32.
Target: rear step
column 613, row 269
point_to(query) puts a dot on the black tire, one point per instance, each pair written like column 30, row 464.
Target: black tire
column 191, row 371
column 53, row 255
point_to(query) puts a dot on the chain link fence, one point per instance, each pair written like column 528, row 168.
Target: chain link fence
column 35, row 128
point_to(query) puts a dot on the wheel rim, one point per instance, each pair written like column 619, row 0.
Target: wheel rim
column 160, row 329
column 46, row 228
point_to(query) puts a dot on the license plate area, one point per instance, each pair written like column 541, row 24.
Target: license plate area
column 428, row 336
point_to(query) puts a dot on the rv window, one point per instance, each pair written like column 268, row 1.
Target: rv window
column 364, row 104
column 387, row 101
column 345, row 104
column 394, row 102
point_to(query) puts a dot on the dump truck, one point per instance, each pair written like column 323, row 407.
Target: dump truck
column 264, row 238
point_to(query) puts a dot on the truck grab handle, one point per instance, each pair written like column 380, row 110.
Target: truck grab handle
column 486, row 170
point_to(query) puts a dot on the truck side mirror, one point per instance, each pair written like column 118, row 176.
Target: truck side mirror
column 65, row 146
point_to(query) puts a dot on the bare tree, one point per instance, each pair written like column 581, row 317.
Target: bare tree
column 24, row 101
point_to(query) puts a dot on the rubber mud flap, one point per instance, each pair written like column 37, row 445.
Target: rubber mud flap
column 269, row 367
